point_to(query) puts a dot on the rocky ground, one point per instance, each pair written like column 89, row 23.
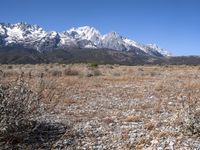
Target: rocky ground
column 119, row 107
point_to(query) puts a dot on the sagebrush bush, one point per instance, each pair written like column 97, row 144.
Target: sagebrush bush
column 191, row 124
column 70, row 72
column 19, row 108
column 10, row 73
column 188, row 117
column 22, row 104
column 56, row 73
column 96, row 72
column 93, row 72
column 10, row 67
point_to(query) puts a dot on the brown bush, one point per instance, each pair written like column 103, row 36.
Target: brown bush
column 188, row 117
column 70, row 72
column 150, row 125
column 56, row 73
column 19, row 106
column 93, row 72
column 10, row 67
column 94, row 65
column 132, row 118
column 191, row 122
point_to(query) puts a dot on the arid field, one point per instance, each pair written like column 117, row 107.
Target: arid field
column 103, row 107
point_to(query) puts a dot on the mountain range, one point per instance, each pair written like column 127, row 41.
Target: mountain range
column 34, row 37
column 23, row 43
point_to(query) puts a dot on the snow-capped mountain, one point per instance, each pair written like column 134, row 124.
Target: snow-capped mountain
column 33, row 36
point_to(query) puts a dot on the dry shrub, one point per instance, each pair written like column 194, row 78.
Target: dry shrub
column 163, row 134
column 130, row 71
column 150, row 125
column 116, row 74
column 1, row 73
column 96, row 72
column 9, row 67
column 19, row 106
column 69, row 102
column 10, row 73
column 70, row 72
column 159, row 86
column 94, row 65
column 188, row 117
column 109, row 66
column 141, row 142
column 133, row 118
column 158, row 107
column 191, row 123
column 165, row 66
column 51, row 66
column 140, row 69
column 63, row 65
column 46, row 69
column 108, row 120
column 125, row 134
column 93, row 72
column 50, row 93
column 152, row 74
column 56, row 73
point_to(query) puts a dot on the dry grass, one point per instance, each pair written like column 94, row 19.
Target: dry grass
column 150, row 125
column 133, row 119
column 150, row 101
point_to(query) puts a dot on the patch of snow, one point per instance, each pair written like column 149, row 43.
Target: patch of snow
column 158, row 49
column 15, row 32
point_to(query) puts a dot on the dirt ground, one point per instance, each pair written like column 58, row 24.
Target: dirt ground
column 119, row 107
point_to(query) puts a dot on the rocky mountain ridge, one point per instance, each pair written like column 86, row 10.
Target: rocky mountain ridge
column 34, row 37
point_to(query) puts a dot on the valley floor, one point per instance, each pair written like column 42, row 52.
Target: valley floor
column 119, row 107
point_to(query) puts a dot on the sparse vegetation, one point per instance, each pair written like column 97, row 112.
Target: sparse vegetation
column 124, row 107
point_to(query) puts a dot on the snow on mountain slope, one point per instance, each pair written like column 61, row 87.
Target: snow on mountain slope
column 113, row 41
column 86, row 32
column 23, row 34
column 156, row 48
column 2, row 31
column 33, row 36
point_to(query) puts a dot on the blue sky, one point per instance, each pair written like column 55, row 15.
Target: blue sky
column 172, row 24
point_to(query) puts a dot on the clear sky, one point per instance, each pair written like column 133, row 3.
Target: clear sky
column 172, row 24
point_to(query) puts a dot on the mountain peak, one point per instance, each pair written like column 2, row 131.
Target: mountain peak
column 114, row 34
column 87, row 31
column 21, row 23
column 86, row 28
